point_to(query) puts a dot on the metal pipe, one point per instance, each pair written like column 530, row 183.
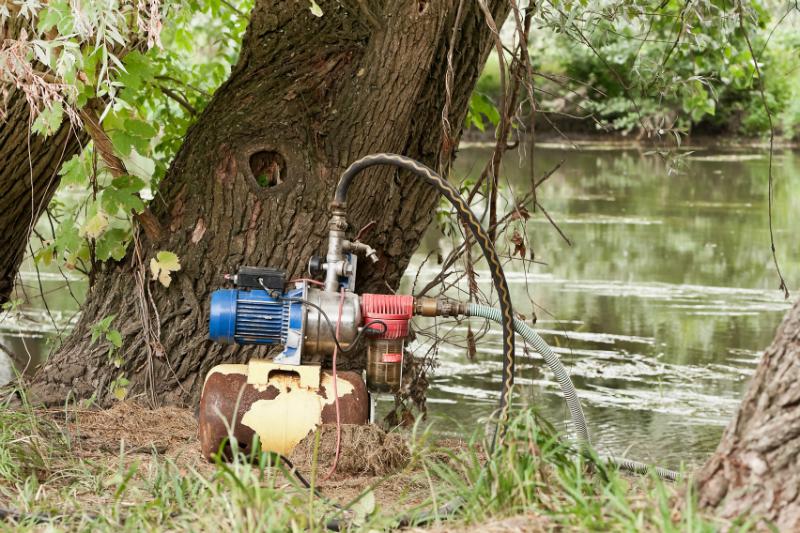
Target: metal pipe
column 334, row 260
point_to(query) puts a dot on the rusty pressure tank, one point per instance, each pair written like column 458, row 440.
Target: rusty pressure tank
column 279, row 403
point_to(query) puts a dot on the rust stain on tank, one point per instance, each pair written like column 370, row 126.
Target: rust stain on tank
column 281, row 413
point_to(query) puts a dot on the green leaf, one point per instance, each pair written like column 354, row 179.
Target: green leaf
column 12, row 305
column 95, row 226
column 363, row 507
column 120, row 393
column 76, row 171
column 315, row 9
column 67, row 237
column 140, row 129
column 115, row 338
column 101, row 327
column 162, row 265
column 123, row 143
column 138, row 70
column 133, row 134
column 481, row 106
column 48, row 120
column 44, row 255
column 123, row 193
column 114, row 199
column 128, row 182
column 52, row 14
column 112, row 244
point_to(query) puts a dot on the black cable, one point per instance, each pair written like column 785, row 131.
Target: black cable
column 303, row 481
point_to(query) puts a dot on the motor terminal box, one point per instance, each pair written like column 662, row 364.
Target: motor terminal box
column 249, row 277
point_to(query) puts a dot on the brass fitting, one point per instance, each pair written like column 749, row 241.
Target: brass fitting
column 439, row 307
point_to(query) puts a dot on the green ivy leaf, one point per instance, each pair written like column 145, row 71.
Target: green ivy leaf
column 76, row 171
column 67, row 237
column 48, row 120
column 128, row 183
column 123, row 193
column 112, row 244
column 162, row 266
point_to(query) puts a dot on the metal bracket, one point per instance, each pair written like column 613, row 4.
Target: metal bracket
column 293, row 349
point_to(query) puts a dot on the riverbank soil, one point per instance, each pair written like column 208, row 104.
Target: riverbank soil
column 104, row 457
column 141, row 435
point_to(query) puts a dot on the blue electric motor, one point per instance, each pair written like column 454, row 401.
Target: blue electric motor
column 249, row 315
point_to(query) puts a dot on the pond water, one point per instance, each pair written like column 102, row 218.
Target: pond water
column 660, row 308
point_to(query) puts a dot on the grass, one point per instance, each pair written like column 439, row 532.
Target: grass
column 46, row 475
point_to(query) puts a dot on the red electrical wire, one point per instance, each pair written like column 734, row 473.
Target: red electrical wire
column 336, row 392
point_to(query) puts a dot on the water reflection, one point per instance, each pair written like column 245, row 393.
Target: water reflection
column 663, row 302
column 45, row 306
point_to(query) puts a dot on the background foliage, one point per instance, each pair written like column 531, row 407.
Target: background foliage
column 641, row 67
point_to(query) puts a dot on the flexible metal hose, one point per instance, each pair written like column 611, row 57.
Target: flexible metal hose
column 568, row 389
column 505, row 313
column 641, row 468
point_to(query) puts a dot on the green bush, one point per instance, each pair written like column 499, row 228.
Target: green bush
column 633, row 73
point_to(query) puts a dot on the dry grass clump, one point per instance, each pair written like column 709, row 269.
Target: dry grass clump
column 132, row 426
column 136, row 430
column 364, row 451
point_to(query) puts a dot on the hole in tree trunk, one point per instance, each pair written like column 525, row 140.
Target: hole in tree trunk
column 268, row 167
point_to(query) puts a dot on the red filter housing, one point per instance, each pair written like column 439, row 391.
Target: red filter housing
column 385, row 351
column 394, row 310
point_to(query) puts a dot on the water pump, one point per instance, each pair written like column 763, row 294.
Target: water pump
column 284, row 398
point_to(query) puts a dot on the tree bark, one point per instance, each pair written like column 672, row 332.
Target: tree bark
column 755, row 471
column 308, row 96
column 29, row 166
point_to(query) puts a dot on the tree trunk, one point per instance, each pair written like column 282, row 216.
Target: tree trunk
column 29, row 166
column 308, row 96
column 755, row 471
